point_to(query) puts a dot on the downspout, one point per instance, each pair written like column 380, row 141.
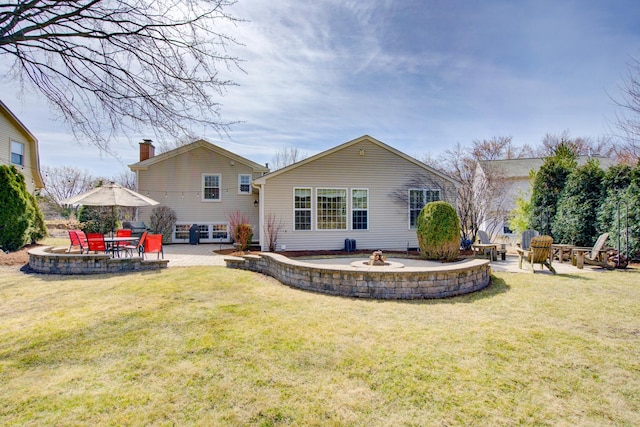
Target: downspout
column 261, row 238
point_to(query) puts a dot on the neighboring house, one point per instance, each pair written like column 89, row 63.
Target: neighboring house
column 363, row 190
column 203, row 183
column 513, row 174
column 18, row 147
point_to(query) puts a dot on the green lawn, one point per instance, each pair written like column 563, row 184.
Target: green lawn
column 211, row 346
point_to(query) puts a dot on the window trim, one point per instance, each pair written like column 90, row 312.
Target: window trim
column 219, row 199
column 424, row 191
column 309, row 209
column 240, row 176
column 346, row 209
column 12, row 153
column 360, row 209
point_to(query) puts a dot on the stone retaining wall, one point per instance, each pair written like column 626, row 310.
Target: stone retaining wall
column 42, row 260
column 373, row 282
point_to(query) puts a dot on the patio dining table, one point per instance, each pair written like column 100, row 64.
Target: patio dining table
column 112, row 243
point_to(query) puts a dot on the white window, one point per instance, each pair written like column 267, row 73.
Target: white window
column 302, row 208
column 207, row 233
column 211, row 187
column 331, row 209
column 359, row 209
column 418, row 198
column 244, row 184
column 17, row 153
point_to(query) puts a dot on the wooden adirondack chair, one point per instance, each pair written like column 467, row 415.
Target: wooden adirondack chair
column 539, row 253
column 525, row 240
column 597, row 255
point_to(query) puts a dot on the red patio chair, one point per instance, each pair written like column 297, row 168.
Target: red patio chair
column 79, row 240
column 122, row 246
column 139, row 247
column 96, row 242
column 75, row 241
column 153, row 244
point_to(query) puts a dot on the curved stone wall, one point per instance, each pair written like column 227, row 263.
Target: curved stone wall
column 46, row 260
column 375, row 282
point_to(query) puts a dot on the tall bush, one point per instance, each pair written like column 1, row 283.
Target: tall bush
column 241, row 231
column 622, row 185
column 548, row 184
column 162, row 220
column 98, row 219
column 520, row 215
column 21, row 219
column 578, row 206
column 438, row 230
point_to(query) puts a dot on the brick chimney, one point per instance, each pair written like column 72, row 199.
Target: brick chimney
column 147, row 149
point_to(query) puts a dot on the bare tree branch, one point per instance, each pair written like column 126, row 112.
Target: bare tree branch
column 113, row 66
column 628, row 116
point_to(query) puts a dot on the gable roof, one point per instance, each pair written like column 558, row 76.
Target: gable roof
column 192, row 146
column 263, row 179
column 33, row 141
column 519, row 168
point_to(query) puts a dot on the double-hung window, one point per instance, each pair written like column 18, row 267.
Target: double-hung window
column 359, row 209
column 17, row 153
column 302, row 208
column 331, row 208
column 417, row 199
column 211, row 187
column 244, row 184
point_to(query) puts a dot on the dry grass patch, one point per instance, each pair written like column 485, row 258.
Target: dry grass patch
column 213, row 346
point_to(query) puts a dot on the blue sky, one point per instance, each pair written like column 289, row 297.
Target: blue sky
column 420, row 76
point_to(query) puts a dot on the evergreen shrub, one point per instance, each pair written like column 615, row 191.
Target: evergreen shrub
column 21, row 220
column 438, row 230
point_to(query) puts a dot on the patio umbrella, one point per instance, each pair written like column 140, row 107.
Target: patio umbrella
column 112, row 195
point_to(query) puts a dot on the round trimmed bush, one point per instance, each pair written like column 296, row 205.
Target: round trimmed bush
column 439, row 231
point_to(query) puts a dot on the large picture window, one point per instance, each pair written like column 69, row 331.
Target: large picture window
column 331, row 209
column 17, row 153
column 302, row 208
column 417, row 199
column 360, row 209
column 211, row 187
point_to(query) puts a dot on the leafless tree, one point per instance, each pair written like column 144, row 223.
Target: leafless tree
column 286, row 156
column 479, row 200
column 112, row 66
column 127, row 179
column 62, row 183
column 628, row 116
column 273, row 226
column 583, row 146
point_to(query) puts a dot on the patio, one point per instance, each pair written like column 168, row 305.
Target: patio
column 180, row 255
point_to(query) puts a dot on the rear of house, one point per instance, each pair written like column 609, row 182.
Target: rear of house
column 204, row 184
column 363, row 190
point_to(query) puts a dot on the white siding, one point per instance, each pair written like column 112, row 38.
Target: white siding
column 177, row 183
column 380, row 171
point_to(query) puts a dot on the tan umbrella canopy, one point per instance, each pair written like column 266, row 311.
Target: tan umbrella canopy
column 110, row 194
